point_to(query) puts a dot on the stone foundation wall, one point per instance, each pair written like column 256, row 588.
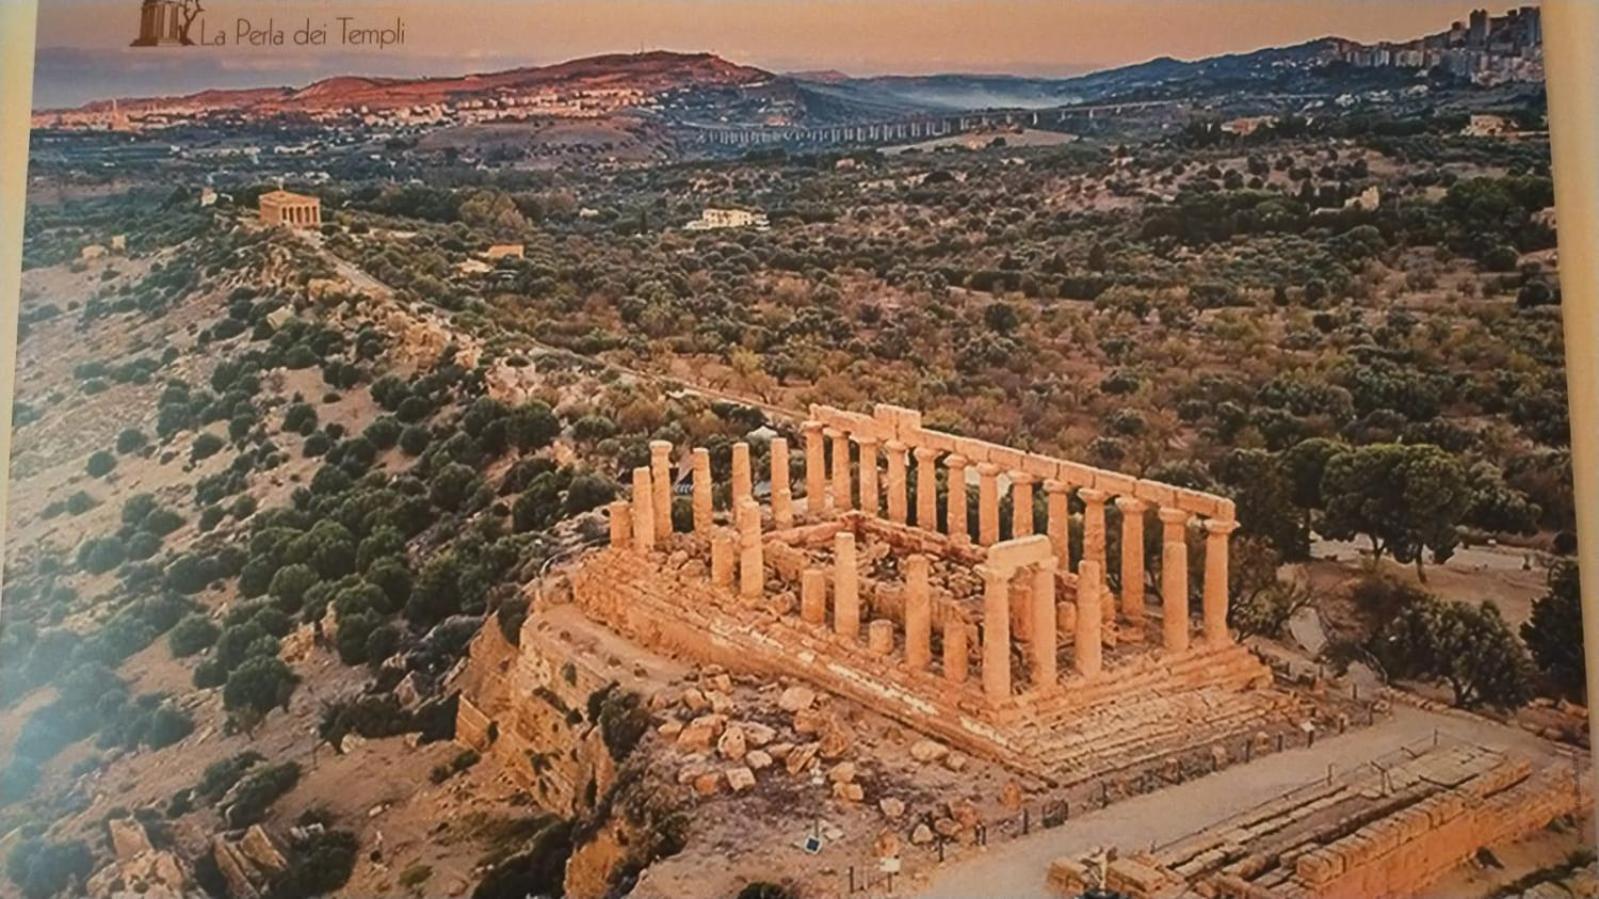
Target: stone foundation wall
column 525, row 708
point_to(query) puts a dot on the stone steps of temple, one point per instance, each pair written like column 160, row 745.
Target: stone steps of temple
column 1233, row 668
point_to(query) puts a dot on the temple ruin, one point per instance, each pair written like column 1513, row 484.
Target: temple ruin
column 280, row 207
column 1025, row 643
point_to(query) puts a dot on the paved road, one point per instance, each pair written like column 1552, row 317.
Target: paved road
column 1016, row 869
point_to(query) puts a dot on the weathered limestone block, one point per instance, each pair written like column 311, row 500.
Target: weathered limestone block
column 918, row 613
column 815, row 470
column 842, row 501
column 1132, row 570
column 782, row 493
column 955, row 651
column 1174, row 579
column 813, row 596
column 661, row 481
column 621, row 520
column 751, row 567
column 643, row 510
column 1021, row 497
column 996, row 634
column 723, row 549
column 958, row 525
column 880, row 637
column 871, row 493
column 704, row 514
column 743, row 482
column 987, row 503
column 1045, row 673
column 1217, row 533
column 846, row 587
column 1087, row 647
column 895, row 450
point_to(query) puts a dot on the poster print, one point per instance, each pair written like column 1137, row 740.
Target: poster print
column 748, row 449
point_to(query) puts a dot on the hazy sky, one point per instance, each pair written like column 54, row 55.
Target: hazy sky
column 84, row 53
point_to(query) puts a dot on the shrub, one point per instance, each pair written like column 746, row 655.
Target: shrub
column 131, row 440
column 259, row 684
column 257, row 790
column 100, row 464
column 195, row 633
column 205, row 446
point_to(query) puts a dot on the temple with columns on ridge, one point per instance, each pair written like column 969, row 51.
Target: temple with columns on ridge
column 1017, row 639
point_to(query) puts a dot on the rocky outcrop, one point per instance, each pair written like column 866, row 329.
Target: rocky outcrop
column 248, row 861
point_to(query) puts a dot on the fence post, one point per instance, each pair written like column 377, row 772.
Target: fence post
column 852, row 880
column 1027, row 821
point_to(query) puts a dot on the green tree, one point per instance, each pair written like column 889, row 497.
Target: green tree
column 1470, row 648
column 259, row 684
column 1404, row 499
column 1554, row 632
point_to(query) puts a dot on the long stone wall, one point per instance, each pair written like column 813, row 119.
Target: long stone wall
column 1390, row 832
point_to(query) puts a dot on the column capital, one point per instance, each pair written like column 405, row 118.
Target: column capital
column 988, row 469
column 660, row 446
column 1023, row 478
column 1092, row 496
column 864, row 439
column 956, row 460
column 1220, row 527
column 992, row 575
column 1169, row 515
column 1053, row 485
column 1132, row 505
column 924, row 454
column 832, row 433
column 811, row 425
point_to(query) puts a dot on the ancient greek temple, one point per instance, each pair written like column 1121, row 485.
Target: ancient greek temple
column 280, row 207
column 879, row 580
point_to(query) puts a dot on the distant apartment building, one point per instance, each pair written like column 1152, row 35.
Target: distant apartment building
column 280, row 207
column 714, row 219
column 1484, row 49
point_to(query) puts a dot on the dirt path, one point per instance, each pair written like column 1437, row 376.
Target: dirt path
column 1017, row 868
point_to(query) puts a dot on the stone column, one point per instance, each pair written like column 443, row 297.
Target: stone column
column 1056, row 499
column 1045, row 673
column 958, row 522
column 996, row 634
column 1021, row 499
column 1132, row 570
column 724, row 547
column 661, row 475
column 813, row 596
column 1088, row 649
column 871, row 494
column 840, row 474
column 751, row 565
column 918, row 613
column 704, row 514
column 815, row 468
column 1094, row 543
column 880, row 637
column 1217, row 532
column 846, row 587
column 643, row 510
column 926, row 488
column 1174, row 579
column 987, row 504
column 621, row 524
column 895, row 450
column 782, row 494
column 743, row 481
column 955, row 661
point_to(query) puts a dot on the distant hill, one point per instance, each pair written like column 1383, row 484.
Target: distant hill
column 651, row 72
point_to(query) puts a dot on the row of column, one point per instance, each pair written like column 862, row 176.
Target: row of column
column 300, row 214
column 833, row 487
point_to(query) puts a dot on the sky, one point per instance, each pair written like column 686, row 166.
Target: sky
column 84, row 53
